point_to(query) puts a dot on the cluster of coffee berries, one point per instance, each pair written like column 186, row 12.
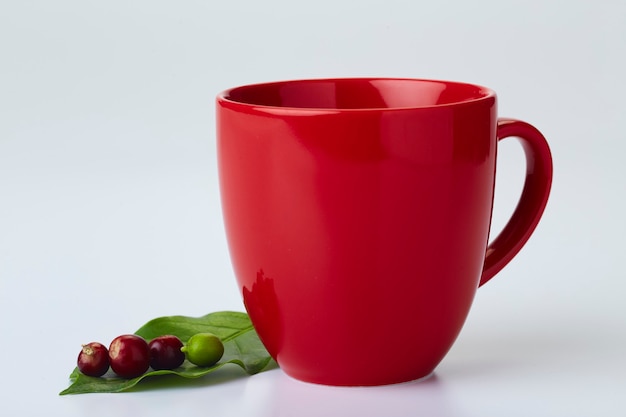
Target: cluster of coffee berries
column 130, row 356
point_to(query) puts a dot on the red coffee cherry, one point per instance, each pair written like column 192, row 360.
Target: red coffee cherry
column 165, row 352
column 93, row 359
column 129, row 356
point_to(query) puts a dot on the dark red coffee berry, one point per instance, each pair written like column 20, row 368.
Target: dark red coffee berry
column 93, row 359
column 165, row 352
column 129, row 356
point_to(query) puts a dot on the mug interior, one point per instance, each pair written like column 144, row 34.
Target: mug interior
column 357, row 93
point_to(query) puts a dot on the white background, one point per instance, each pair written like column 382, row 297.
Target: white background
column 109, row 206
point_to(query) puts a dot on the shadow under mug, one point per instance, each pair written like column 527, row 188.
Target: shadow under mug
column 357, row 214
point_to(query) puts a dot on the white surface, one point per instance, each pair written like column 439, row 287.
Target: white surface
column 109, row 207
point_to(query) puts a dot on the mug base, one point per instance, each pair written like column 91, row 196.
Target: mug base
column 334, row 383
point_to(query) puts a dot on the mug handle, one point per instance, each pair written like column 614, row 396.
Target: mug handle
column 532, row 201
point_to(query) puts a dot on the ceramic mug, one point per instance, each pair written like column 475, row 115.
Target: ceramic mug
column 357, row 213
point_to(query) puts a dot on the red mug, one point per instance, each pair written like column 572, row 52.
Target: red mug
column 357, row 214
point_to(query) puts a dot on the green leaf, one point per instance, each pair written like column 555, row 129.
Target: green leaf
column 242, row 347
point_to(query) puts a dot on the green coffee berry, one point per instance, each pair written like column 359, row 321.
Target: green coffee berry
column 203, row 349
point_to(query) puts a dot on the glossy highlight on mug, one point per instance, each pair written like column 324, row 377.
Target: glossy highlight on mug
column 260, row 302
column 357, row 213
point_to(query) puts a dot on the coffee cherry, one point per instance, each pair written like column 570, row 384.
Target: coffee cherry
column 204, row 349
column 129, row 356
column 93, row 359
column 165, row 352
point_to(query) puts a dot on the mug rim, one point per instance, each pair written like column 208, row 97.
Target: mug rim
column 225, row 97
